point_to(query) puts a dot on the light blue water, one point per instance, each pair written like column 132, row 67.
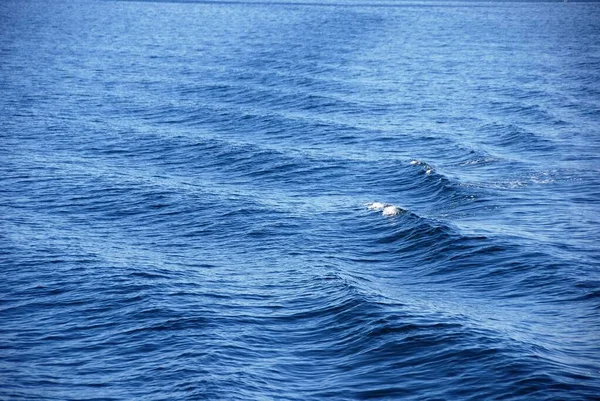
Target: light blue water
column 184, row 191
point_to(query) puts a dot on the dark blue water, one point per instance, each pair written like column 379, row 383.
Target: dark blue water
column 185, row 192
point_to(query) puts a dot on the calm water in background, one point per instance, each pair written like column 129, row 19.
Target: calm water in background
column 183, row 192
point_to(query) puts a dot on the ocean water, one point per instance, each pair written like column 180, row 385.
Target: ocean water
column 187, row 189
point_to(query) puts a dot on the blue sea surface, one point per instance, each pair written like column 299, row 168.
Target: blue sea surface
column 189, row 189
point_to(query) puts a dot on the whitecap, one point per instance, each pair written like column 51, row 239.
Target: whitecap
column 391, row 210
column 376, row 206
column 426, row 167
column 385, row 208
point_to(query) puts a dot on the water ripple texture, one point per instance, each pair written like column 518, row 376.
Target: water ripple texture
column 342, row 200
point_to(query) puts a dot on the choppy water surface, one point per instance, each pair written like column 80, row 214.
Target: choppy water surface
column 184, row 192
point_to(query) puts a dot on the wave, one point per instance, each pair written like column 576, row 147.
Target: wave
column 184, row 189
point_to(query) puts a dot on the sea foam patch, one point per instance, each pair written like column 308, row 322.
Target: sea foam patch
column 391, row 210
column 386, row 209
column 426, row 167
column 376, row 206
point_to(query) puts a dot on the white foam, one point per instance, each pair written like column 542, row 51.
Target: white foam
column 376, row 206
column 426, row 167
column 391, row 210
column 385, row 208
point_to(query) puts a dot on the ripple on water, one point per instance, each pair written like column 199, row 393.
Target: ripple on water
column 250, row 200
